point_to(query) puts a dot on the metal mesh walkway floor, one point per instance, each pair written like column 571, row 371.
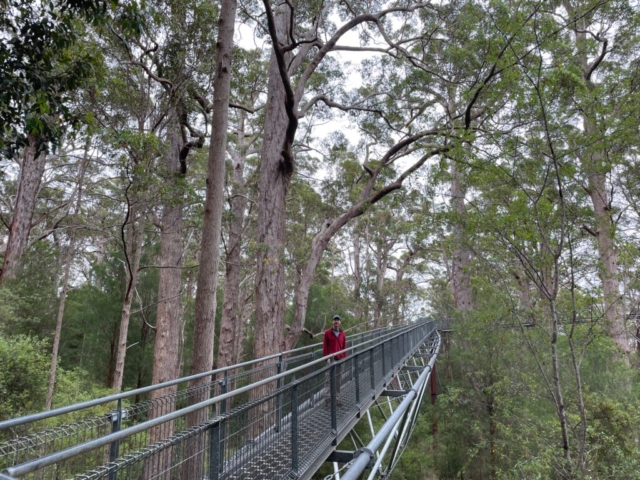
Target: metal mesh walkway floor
column 314, row 438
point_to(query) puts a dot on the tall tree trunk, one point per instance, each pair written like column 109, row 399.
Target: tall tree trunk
column 167, row 337
column 461, row 278
column 166, row 347
column 31, row 171
column 608, row 256
column 275, row 176
column 357, row 278
column 232, row 304
column 65, row 282
column 596, row 164
column 133, row 251
column 205, row 308
column 382, row 260
column 210, row 249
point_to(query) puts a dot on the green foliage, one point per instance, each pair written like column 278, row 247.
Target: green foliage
column 496, row 417
column 24, row 371
column 41, row 65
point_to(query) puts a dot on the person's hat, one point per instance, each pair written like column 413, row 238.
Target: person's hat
column 336, row 317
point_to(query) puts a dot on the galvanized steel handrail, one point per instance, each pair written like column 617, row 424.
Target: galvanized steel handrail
column 56, row 457
column 34, row 417
column 366, row 454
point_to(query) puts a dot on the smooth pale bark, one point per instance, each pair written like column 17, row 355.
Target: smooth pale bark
column 133, row 251
column 230, row 325
column 31, row 171
column 382, row 262
column 357, row 278
column 596, row 164
column 608, row 256
column 460, row 276
column 65, row 283
column 207, row 282
column 275, row 177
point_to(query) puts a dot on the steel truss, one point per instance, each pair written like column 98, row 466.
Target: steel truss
column 383, row 452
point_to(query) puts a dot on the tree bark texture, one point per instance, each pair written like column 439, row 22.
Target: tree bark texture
column 133, row 251
column 232, row 305
column 166, row 347
column 207, row 283
column 382, row 262
column 357, row 278
column 461, row 278
column 65, row 283
column 33, row 164
column 210, row 251
column 275, row 177
column 608, row 256
column 595, row 164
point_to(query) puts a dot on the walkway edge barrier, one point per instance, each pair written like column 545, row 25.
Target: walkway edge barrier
column 366, row 454
column 36, row 464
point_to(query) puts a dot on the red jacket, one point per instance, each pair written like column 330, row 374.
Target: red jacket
column 333, row 344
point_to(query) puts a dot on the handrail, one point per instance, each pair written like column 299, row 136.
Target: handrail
column 34, row 417
column 62, row 455
column 386, row 433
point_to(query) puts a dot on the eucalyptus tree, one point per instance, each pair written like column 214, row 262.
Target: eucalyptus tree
column 128, row 110
column 597, row 52
column 247, row 97
column 42, row 62
column 303, row 29
column 529, row 201
column 402, row 146
column 68, row 260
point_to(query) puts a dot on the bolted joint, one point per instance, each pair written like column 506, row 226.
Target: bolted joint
column 368, row 452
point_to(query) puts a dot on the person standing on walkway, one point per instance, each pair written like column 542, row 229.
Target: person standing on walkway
column 334, row 341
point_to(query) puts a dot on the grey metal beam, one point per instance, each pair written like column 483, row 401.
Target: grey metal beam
column 365, row 455
column 394, row 393
column 340, row 456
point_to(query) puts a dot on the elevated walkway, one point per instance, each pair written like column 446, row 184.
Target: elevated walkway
column 279, row 417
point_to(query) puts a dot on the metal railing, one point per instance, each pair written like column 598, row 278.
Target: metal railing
column 39, row 434
column 260, row 411
column 397, row 428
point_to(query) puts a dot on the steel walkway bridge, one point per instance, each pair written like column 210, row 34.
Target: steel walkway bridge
column 278, row 417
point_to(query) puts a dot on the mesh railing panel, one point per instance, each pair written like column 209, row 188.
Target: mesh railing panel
column 268, row 431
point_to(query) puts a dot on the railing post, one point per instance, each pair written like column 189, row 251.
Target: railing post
column 334, row 401
column 223, row 389
column 356, row 369
column 223, row 410
column 372, row 373
column 384, row 362
column 114, row 448
column 294, row 429
column 405, row 343
column 279, row 397
column 214, row 451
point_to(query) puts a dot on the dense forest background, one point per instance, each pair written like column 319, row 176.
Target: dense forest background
column 187, row 184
